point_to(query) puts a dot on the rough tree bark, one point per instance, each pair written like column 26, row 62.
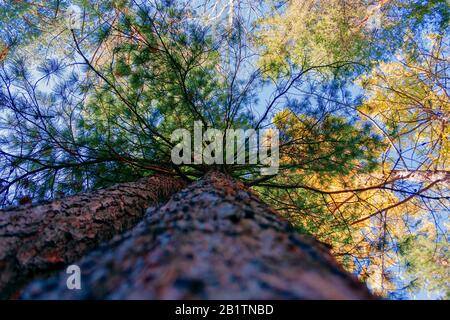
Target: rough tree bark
column 213, row 240
column 41, row 238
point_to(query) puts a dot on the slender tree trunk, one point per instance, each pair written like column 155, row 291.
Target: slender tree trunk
column 419, row 176
column 214, row 240
column 38, row 239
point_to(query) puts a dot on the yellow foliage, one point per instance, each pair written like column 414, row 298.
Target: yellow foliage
column 411, row 99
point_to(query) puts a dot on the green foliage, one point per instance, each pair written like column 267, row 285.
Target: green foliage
column 329, row 33
column 427, row 264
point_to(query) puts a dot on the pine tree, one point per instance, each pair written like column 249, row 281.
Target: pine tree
column 92, row 106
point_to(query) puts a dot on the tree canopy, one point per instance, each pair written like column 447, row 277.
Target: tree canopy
column 91, row 91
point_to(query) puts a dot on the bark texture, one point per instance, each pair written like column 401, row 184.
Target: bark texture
column 41, row 238
column 213, row 240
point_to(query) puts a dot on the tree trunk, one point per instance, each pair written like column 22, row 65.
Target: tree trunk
column 38, row 239
column 213, row 240
column 420, row 176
